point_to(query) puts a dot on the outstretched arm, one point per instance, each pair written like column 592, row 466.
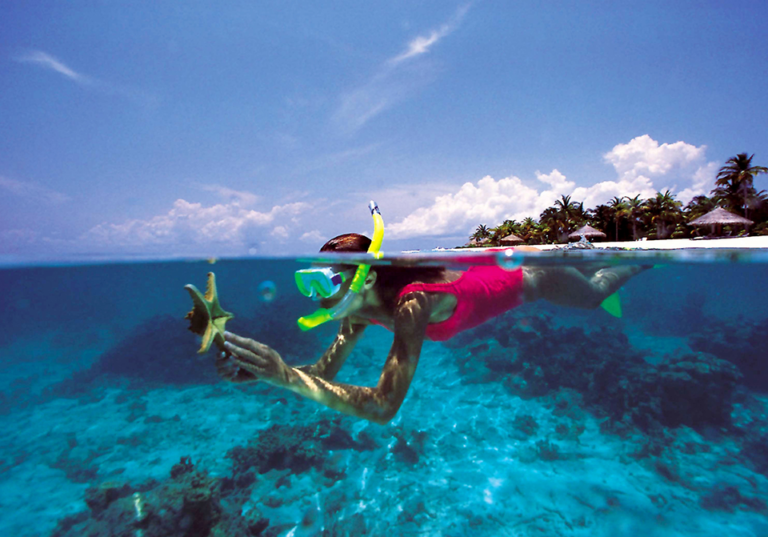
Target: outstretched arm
column 326, row 367
column 378, row 404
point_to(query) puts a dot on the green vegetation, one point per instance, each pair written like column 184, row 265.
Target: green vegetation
column 659, row 217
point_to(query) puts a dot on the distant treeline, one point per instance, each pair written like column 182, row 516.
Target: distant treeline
column 659, row 217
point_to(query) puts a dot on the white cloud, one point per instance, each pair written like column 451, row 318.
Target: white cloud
column 192, row 226
column 643, row 167
column 47, row 61
column 644, row 155
column 393, row 81
column 423, row 43
column 32, row 191
column 643, row 159
column 488, row 202
column 241, row 198
column 703, row 182
column 313, row 237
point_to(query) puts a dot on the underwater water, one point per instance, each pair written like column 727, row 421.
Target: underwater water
column 545, row 421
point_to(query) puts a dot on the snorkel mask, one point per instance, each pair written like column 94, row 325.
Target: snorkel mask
column 312, row 282
column 317, row 283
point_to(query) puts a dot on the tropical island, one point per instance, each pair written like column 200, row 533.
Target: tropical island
column 743, row 210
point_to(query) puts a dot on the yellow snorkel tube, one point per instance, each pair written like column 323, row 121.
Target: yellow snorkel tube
column 324, row 315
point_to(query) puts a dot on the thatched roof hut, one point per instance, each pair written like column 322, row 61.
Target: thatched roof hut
column 474, row 243
column 511, row 240
column 720, row 216
column 717, row 218
column 587, row 232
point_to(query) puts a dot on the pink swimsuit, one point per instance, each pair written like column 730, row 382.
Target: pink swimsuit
column 482, row 292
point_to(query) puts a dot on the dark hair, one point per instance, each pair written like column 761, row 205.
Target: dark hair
column 349, row 242
column 389, row 279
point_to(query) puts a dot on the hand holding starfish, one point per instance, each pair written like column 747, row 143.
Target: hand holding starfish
column 207, row 317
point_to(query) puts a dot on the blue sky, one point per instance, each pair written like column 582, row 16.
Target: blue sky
column 179, row 128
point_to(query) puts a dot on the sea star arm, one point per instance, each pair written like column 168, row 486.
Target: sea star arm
column 207, row 317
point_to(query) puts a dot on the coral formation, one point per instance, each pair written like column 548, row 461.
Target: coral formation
column 293, row 447
column 741, row 342
column 725, row 497
column 613, row 378
column 191, row 504
column 525, row 424
column 409, row 446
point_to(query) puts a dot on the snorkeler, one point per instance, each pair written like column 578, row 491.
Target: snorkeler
column 413, row 302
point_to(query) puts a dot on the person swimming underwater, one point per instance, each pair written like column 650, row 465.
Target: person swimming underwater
column 416, row 303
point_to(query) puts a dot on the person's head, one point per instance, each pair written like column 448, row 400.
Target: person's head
column 385, row 280
column 347, row 243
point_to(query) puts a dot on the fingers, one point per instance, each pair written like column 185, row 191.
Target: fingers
column 244, row 342
column 230, row 370
column 226, row 367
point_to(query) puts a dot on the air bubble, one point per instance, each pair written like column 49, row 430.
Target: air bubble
column 509, row 259
column 267, row 291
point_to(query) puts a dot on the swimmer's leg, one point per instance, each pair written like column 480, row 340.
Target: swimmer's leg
column 567, row 286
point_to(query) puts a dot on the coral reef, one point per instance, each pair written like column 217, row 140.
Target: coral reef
column 296, row 448
column 525, row 424
column 409, row 447
column 741, row 342
column 613, row 378
column 191, row 504
column 725, row 497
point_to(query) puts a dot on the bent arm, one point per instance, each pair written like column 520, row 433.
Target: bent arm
column 334, row 357
column 379, row 404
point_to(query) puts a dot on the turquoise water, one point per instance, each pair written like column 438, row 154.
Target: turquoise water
column 544, row 421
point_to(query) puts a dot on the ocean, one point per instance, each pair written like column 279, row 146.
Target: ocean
column 545, row 421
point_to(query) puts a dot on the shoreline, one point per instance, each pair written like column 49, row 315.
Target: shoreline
column 760, row 242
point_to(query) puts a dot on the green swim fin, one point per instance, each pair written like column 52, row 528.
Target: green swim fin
column 612, row 305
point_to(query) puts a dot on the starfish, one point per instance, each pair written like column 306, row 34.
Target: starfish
column 207, row 318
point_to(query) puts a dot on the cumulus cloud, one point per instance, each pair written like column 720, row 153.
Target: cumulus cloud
column 489, row 201
column 645, row 155
column 393, row 81
column 702, row 182
column 643, row 167
column 32, row 191
column 193, row 226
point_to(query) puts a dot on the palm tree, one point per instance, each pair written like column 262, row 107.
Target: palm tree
column 481, row 233
column 699, row 206
column 600, row 217
column 635, row 207
column 663, row 210
column 736, row 180
column 619, row 209
column 530, row 231
column 568, row 214
column 551, row 224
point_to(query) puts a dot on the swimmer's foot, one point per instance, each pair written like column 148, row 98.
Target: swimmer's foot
column 207, row 317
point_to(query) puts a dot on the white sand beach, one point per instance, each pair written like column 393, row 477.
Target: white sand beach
column 675, row 244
